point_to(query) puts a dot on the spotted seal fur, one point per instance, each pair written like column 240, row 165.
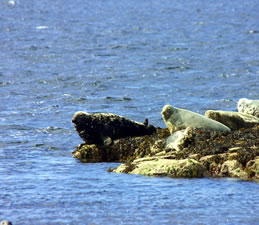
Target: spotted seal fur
column 104, row 128
column 247, row 106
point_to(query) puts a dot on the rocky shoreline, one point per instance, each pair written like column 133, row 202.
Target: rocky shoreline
column 202, row 154
column 190, row 153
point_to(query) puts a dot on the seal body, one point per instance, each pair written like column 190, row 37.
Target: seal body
column 233, row 120
column 178, row 119
column 178, row 139
column 247, row 106
column 103, row 128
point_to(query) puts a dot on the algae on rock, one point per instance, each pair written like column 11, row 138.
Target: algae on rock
column 194, row 153
column 187, row 168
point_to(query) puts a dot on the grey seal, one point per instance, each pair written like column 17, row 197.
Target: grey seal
column 104, row 128
column 178, row 119
column 247, row 106
column 233, row 120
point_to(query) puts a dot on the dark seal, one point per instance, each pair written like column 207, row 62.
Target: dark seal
column 104, row 128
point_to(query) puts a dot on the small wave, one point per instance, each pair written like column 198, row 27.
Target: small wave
column 177, row 68
column 11, row 3
column 253, row 31
column 52, row 130
column 116, row 99
column 7, row 83
column 15, row 127
column 42, row 27
column 180, row 49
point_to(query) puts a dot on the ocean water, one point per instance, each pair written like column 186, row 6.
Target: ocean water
column 128, row 57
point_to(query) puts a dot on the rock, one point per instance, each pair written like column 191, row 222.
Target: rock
column 200, row 153
column 252, row 168
column 215, row 151
column 195, row 156
column 234, row 149
column 89, row 153
column 179, row 119
column 124, row 149
column 188, row 168
column 213, row 163
column 233, row 120
column 233, row 168
column 247, row 106
column 157, row 147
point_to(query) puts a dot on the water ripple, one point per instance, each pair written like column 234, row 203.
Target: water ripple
column 129, row 58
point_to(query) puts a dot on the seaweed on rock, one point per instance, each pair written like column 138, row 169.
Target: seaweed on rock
column 216, row 154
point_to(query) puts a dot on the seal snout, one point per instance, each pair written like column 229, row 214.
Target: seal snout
column 78, row 116
column 167, row 111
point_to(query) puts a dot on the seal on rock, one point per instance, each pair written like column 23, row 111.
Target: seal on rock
column 104, row 128
column 178, row 119
column 233, row 120
column 247, row 106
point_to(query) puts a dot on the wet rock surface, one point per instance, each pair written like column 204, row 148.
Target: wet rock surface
column 200, row 153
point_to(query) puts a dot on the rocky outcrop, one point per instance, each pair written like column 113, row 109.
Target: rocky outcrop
column 124, row 149
column 159, row 166
column 212, row 154
column 199, row 154
column 234, row 120
column 191, row 152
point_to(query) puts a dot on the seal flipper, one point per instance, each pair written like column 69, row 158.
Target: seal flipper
column 146, row 122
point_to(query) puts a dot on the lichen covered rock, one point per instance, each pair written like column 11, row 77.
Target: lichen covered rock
column 252, row 168
column 232, row 168
column 152, row 166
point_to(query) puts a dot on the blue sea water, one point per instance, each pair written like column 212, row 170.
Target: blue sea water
column 128, row 57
